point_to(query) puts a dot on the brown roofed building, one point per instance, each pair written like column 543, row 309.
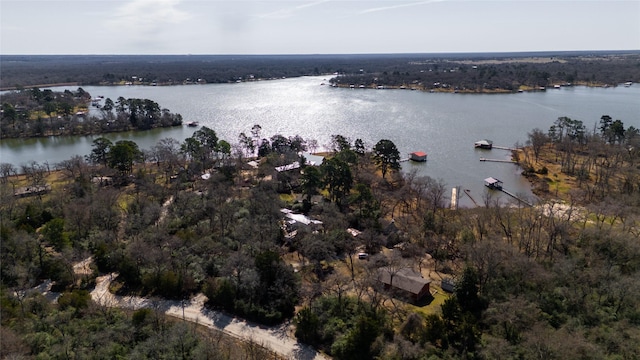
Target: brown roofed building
column 408, row 281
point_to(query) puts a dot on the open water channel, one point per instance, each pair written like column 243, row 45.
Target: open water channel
column 444, row 125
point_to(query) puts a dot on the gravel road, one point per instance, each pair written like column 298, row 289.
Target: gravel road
column 276, row 339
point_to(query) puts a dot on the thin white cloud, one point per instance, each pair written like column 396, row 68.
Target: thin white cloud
column 290, row 11
column 399, row 6
column 146, row 16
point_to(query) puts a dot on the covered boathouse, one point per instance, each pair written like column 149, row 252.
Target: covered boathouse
column 418, row 156
column 483, row 144
column 493, row 183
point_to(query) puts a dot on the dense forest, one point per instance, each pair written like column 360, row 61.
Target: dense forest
column 444, row 72
column 39, row 113
column 268, row 235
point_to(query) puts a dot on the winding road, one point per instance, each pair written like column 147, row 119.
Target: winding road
column 276, row 339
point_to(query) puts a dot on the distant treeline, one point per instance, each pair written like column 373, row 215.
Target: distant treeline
column 471, row 72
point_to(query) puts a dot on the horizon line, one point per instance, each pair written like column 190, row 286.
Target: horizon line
column 345, row 54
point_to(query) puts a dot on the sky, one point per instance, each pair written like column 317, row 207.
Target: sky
column 315, row 27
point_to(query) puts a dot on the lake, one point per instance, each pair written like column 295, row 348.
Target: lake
column 444, row 125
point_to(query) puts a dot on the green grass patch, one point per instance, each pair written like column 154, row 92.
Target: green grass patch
column 288, row 198
column 124, row 200
column 559, row 186
column 434, row 307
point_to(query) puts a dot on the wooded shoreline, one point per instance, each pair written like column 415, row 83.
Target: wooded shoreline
column 465, row 72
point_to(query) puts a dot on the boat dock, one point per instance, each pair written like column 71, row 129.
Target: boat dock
column 498, row 160
column 495, row 184
column 454, row 197
column 505, row 148
column 467, row 192
column 488, row 145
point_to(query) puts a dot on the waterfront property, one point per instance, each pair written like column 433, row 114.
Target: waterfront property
column 290, row 106
column 309, row 159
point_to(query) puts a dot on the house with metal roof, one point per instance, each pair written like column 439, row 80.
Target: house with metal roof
column 407, row 281
column 311, row 159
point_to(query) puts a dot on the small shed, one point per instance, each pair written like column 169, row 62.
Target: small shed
column 448, row 285
column 408, row 281
column 418, row 156
column 484, row 144
column 493, row 183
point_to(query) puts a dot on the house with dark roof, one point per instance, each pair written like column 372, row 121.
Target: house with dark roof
column 408, row 282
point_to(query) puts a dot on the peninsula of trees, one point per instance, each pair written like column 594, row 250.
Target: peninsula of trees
column 271, row 233
column 39, row 113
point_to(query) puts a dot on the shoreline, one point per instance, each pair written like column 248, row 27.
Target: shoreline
column 12, row 88
column 522, row 88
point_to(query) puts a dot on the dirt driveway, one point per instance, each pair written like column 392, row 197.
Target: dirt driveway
column 276, row 339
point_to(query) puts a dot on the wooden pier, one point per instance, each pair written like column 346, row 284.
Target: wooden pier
column 498, row 160
column 455, row 196
column 505, row 148
column 495, row 184
column 515, row 197
column 467, row 191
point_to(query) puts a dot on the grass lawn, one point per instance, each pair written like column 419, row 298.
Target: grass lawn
column 434, row 307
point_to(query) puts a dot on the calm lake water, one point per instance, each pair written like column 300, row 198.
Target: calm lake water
column 441, row 124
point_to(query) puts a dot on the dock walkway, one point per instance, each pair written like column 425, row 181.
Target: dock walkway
column 515, row 197
column 505, row 148
column 498, row 160
column 467, row 191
